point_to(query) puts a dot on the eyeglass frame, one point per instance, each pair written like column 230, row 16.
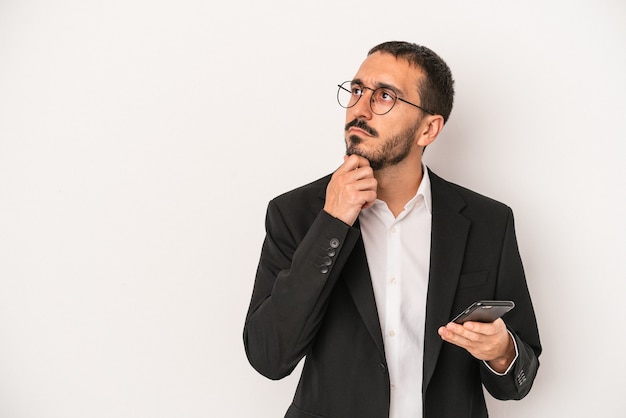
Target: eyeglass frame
column 374, row 91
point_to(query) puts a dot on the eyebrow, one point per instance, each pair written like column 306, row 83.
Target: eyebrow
column 380, row 85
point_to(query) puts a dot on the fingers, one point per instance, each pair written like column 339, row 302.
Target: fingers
column 456, row 334
column 353, row 169
column 474, row 330
column 352, row 187
column 353, row 162
column 485, row 341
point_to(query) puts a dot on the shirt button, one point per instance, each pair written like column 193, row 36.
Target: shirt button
column 334, row 243
column 392, row 333
column 393, row 280
column 392, row 230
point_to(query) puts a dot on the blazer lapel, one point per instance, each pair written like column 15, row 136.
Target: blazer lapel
column 449, row 235
column 356, row 277
column 359, row 284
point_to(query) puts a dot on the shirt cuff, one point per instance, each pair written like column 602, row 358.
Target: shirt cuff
column 510, row 365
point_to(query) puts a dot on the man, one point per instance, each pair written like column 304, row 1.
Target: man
column 361, row 271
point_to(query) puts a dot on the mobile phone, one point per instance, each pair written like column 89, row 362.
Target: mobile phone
column 484, row 311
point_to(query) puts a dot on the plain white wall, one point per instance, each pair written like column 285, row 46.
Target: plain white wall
column 140, row 142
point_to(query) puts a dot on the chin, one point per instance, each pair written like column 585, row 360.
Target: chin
column 355, row 150
column 375, row 164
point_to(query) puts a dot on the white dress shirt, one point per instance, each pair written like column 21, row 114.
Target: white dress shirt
column 398, row 255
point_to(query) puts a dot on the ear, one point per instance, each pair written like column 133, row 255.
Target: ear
column 432, row 125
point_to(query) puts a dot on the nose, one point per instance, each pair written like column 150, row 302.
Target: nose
column 362, row 108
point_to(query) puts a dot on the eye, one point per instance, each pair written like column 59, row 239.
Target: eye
column 357, row 90
column 385, row 95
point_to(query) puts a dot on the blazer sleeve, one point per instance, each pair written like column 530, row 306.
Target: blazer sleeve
column 299, row 265
column 520, row 321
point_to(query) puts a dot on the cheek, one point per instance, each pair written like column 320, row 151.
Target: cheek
column 350, row 116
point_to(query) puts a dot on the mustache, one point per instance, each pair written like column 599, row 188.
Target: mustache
column 361, row 124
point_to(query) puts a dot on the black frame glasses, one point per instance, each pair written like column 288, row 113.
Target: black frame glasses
column 383, row 99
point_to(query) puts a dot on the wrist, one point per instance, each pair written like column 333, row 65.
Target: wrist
column 502, row 363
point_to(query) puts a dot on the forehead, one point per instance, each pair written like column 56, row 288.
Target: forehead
column 383, row 68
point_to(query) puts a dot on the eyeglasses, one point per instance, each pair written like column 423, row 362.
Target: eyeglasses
column 382, row 101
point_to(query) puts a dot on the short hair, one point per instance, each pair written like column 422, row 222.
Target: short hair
column 437, row 89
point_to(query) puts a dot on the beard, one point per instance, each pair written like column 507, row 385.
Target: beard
column 390, row 152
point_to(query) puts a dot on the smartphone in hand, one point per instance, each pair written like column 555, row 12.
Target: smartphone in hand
column 484, row 311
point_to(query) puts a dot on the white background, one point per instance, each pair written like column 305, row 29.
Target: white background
column 140, row 142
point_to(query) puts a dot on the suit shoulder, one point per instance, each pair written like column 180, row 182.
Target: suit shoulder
column 298, row 208
column 306, row 192
column 472, row 199
column 476, row 198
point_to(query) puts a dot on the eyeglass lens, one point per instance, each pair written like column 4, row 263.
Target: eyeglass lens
column 381, row 100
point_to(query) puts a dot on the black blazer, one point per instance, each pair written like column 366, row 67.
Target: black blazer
column 313, row 297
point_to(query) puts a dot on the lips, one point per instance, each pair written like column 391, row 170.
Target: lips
column 360, row 126
column 357, row 131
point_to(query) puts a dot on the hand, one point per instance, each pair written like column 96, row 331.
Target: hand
column 490, row 342
column 351, row 189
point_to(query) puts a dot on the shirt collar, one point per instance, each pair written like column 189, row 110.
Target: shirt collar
column 423, row 191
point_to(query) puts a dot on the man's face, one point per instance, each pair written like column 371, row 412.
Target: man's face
column 387, row 139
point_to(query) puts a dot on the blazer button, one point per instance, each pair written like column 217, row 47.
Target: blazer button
column 383, row 368
column 331, row 252
column 327, row 261
column 324, row 269
column 334, row 243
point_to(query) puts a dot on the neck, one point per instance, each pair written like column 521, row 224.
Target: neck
column 399, row 183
